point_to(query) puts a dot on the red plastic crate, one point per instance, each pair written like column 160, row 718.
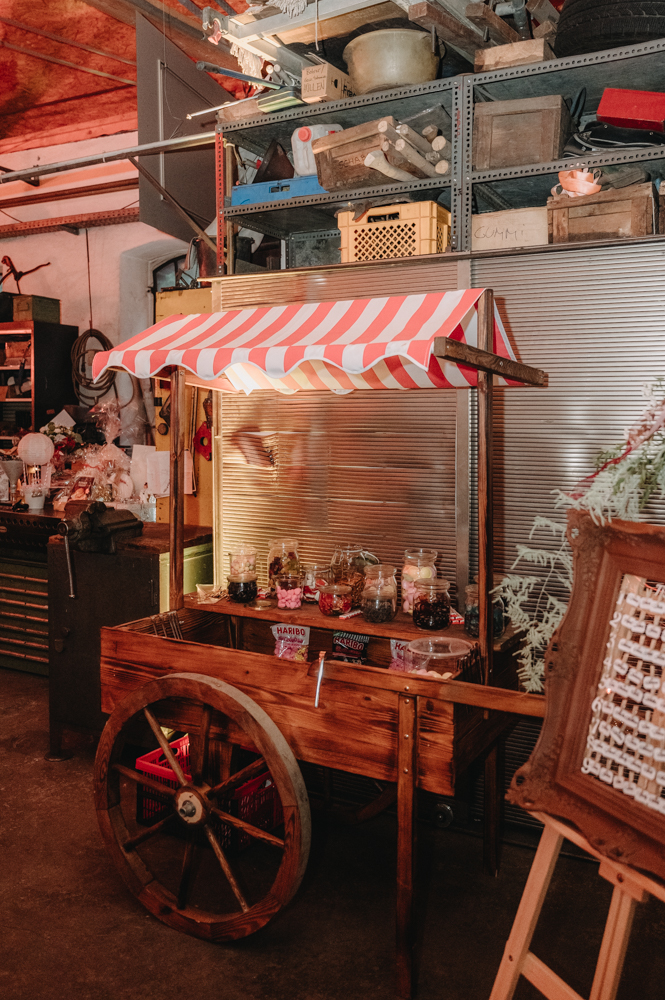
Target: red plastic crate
column 257, row 801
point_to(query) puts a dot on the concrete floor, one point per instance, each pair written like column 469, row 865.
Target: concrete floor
column 72, row 930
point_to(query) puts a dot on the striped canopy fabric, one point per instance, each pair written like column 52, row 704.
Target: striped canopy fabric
column 374, row 343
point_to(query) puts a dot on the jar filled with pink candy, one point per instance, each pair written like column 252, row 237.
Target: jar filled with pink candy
column 418, row 565
column 288, row 587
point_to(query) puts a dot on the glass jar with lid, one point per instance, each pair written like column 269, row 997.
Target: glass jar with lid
column 446, row 657
column 418, row 565
column 314, row 577
column 282, row 558
column 242, row 559
column 378, row 601
column 472, row 613
column 348, row 566
column 335, row 599
column 431, row 605
column 288, row 587
column 242, row 587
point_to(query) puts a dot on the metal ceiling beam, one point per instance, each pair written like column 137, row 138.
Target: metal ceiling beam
column 66, row 41
column 65, row 62
column 148, row 149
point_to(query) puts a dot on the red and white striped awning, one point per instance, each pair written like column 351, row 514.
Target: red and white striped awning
column 377, row 343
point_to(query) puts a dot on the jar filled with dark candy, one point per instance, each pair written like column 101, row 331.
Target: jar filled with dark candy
column 472, row 613
column 335, row 599
column 431, row 605
column 378, row 602
column 242, row 587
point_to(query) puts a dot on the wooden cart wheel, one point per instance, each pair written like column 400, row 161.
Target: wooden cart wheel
column 182, row 867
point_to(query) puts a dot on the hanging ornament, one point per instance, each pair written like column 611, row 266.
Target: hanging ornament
column 203, row 442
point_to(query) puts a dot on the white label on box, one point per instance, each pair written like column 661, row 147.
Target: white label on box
column 521, row 227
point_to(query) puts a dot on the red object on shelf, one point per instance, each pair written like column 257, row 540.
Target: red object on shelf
column 257, row 801
column 633, row 109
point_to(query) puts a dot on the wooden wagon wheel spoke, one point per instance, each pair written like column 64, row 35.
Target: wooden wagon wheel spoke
column 235, row 888
column 141, row 838
column 199, row 768
column 164, row 744
column 144, row 780
column 253, row 831
column 186, row 872
column 226, row 868
column 239, row 778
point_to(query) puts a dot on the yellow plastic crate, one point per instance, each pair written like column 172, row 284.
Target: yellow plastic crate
column 395, row 231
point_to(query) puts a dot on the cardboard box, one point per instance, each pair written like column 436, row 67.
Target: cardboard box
column 37, row 308
column 17, row 350
column 520, row 227
column 632, row 109
column 515, row 133
column 324, row 83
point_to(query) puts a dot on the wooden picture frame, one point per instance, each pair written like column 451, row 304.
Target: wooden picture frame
column 600, row 760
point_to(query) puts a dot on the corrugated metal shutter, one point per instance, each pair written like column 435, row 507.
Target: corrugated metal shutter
column 595, row 321
column 377, row 468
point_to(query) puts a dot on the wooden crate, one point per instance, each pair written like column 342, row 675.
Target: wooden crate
column 340, row 157
column 392, row 231
column 520, row 227
column 513, row 133
column 622, row 213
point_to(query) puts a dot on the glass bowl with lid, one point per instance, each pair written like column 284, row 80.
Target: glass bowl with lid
column 445, row 657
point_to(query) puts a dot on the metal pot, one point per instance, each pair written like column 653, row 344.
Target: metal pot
column 391, row 57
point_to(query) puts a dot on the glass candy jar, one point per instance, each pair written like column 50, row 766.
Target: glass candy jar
column 288, row 587
column 348, row 566
column 418, row 565
column 446, row 657
column 314, row 577
column 431, row 605
column 282, row 558
column 472, row 613
column 242, row 559
column 379, row 597
column 242, row 587
column 335, row 599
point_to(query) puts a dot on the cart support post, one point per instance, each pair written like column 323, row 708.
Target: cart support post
column 407, row 774
column 485, row 498
column 177, row 491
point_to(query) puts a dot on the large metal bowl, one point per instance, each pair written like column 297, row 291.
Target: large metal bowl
column 391, row 57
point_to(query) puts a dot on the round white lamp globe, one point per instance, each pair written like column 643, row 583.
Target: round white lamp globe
column 36, row 449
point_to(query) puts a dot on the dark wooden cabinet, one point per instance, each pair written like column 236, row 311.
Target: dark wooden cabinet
column 48, row 366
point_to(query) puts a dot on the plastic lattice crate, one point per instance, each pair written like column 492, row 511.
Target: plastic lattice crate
column 391, row 231
column 257, row 801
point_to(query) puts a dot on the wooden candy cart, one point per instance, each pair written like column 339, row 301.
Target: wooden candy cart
column 214, row 839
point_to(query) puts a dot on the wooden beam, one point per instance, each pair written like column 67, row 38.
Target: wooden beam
column 484, row 17
column 447, row 27
column 453, row 350
column 177, row 490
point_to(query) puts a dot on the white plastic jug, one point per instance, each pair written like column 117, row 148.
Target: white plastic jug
column 301, row 144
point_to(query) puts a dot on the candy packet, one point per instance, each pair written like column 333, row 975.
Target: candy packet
column 350, row 646
column 397, row 651
column 291, row 642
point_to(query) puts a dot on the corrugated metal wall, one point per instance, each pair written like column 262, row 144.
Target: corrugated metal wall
column 595, row 321
column 373, row 467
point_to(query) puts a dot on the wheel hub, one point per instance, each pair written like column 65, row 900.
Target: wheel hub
column 190, row 806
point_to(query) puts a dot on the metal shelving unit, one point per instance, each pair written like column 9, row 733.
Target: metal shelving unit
column 636, row 66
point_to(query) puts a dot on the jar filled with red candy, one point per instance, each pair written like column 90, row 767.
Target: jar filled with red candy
column 282, row 558
column 288, row 588
column 431, row 605
column 314, row 577
column 335, row 599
